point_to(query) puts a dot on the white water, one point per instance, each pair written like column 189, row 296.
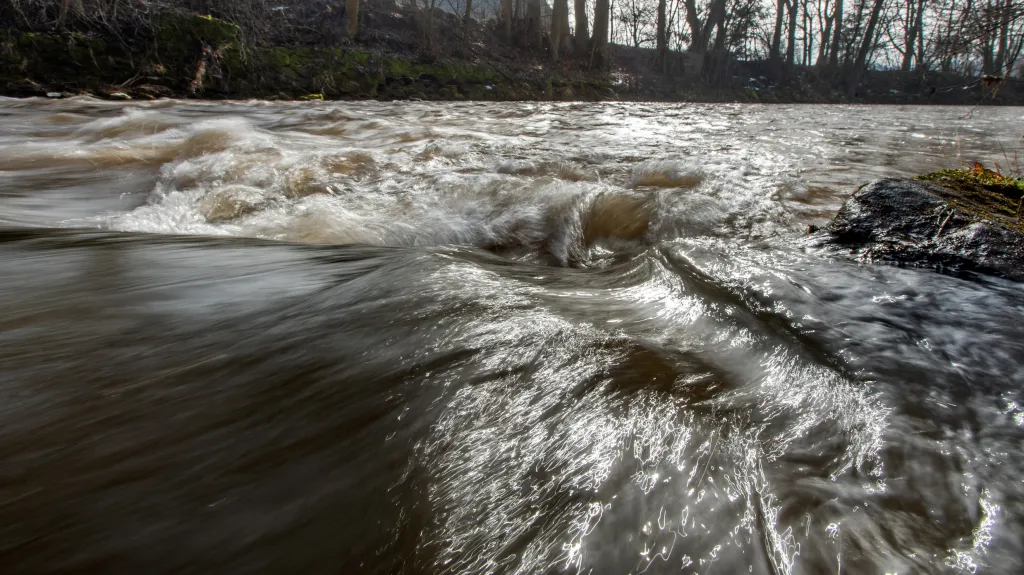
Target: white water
column 707, row 394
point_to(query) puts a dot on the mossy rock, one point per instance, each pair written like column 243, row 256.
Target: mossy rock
column 983, row 194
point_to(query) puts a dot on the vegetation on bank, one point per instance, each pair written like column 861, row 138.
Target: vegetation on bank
column 193, row 55
column 201, row 56
column 983, row 194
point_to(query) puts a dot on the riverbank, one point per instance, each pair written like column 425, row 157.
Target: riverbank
column 195, row 56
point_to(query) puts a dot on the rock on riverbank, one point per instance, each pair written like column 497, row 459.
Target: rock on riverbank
column 954, row 221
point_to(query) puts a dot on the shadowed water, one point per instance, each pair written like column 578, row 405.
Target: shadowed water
column 492, row 338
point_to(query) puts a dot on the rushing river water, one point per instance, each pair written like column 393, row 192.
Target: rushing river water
column 492, row 338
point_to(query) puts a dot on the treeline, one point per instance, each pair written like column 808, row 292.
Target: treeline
column 841, row 39
column 966, row 37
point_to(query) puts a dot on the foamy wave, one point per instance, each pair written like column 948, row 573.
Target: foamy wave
column 133, row 123
column 382, row 183
column 667, row 174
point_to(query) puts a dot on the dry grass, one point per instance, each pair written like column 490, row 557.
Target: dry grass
column 985, row 193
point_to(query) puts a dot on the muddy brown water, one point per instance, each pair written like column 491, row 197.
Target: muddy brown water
column 492, row 338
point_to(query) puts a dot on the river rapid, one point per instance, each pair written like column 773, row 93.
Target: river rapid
column 493, row 338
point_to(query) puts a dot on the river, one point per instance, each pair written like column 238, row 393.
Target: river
column 493, row 338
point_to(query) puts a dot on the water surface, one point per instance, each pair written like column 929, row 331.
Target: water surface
column 492, row 338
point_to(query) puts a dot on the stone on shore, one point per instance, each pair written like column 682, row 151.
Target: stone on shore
column 954, row 221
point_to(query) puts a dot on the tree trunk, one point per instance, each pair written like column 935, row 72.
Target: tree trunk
column 716, row 18
column 611, row 21
column 716, row 58
column 794, row 9
column 428, row 26
column 352, row 17
column 774, row 51
column 851, row 50
column 582, row 35
column 946, row 64
column 866, row 45
column 837, row 36
column 506, row 18
column 808, row 37
column 696, row 30
column 466, row 21
column 559, row 10
column 534, row 26
column 599, row 43
column 1004, row 33
column 920, row 63
column 662, row 39
column 825, row 40
column 909, row 37
column 988, row 44
column 566, row 30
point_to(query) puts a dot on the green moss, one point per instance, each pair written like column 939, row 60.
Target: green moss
column 312, row 97
column 281, row 57
column 400, row 68
column 357, row 58
column 983, row 194
column 181, row 35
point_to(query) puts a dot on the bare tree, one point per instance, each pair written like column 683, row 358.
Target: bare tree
column 700, row 31
column 866, row 46
column 429, row 8
column 507, row 7
column 582, row 39
column 467, row 21
column 793, row 8
column 775, row 51
column 599, row 43
column 662, row 40
column 837, row 36
column 559, row 11
column 635, row 16
column 534, row 25
column 914, row 32
column 352, row 17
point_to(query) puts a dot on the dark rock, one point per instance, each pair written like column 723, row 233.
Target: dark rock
column 919, row 223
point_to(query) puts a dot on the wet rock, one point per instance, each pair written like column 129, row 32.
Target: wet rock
column 937, row 224
column 304, row 181
column 355, row 164
column 119, row 96
column 229, row 203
